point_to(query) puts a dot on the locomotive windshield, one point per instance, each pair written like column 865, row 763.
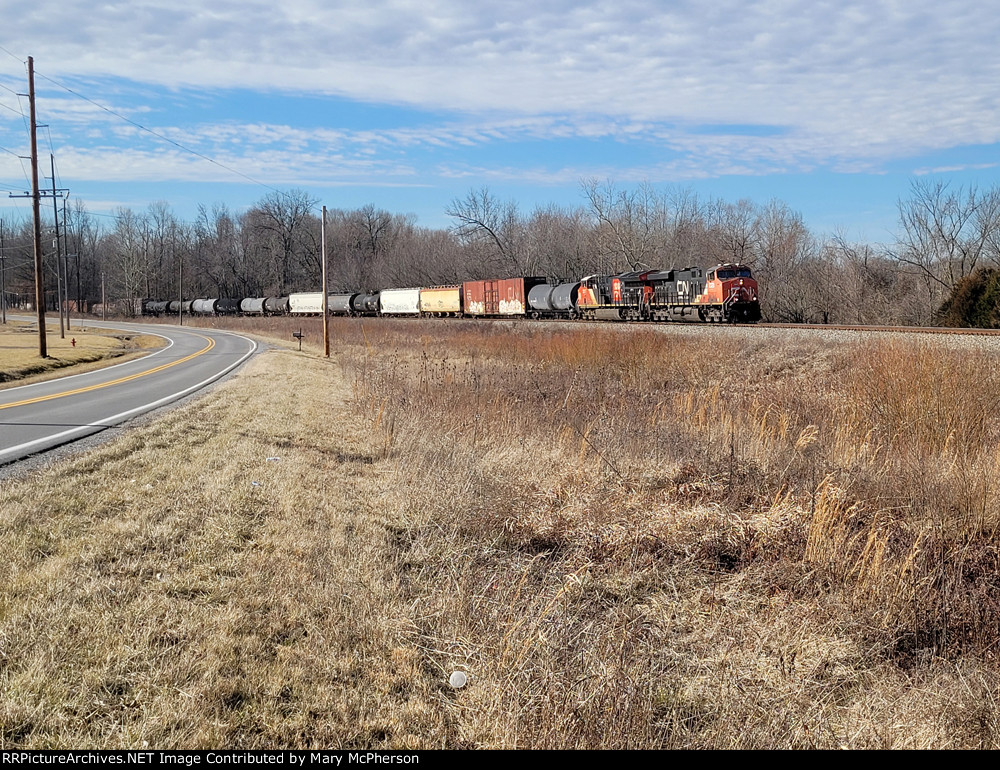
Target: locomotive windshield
column 734, row 272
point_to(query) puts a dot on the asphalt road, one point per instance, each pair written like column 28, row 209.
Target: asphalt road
column 35, row 418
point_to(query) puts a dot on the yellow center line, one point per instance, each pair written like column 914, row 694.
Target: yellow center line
column 211, row 344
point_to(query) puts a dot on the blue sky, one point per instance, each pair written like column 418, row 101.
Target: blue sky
column 832, row 107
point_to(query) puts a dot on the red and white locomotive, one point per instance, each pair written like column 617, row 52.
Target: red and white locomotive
column 727, row 293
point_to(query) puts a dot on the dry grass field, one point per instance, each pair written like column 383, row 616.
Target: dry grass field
column 626, row 537
column 20, row 363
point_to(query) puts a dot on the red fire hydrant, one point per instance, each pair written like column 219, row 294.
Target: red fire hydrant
column 73, row 342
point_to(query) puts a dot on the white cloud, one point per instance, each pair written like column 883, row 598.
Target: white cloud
column 848, row 84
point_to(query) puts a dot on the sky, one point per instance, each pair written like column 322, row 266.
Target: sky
column 834, row 108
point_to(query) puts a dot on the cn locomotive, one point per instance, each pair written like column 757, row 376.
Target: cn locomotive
column 727, row 293
column 724, row 294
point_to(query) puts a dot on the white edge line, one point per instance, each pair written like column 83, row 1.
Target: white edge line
column 107, row 422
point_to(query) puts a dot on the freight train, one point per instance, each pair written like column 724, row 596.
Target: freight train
column 724, row 294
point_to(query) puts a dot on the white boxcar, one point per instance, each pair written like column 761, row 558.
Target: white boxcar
column 309, row 303
column 400, row 301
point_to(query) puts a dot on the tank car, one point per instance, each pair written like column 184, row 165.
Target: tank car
column 252, row 306
column 339, row 304
column 228, row 306
column 155, row 307
column 203, row 306
column 554, row 300
column 276, row 305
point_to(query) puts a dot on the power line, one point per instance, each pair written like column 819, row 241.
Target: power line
column 158, row 135
column 11, row 55
column 20, row 110
column 140, row 126
column 20, row 158
column 16, row 112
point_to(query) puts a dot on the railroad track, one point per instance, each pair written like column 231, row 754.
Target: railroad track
column 904, row 329
column 623, row 324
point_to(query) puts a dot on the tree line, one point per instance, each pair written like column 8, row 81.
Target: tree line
column 946, row 234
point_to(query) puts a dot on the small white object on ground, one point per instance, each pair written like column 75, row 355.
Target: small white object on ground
column 458, row 679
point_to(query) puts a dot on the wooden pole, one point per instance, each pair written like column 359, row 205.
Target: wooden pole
column 3, row 275
column 65, row 262
column 326, row 298
column 180, row 291
column 36, row 213
column 59, row 274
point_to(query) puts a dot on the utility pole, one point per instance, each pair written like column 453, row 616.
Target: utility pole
column 79, row 295
column 36, row 196
column 36, row 213
column 62, row 279
column 65, row 256
column 326, row 298
column 180, row 291
column 59, row 277
column 79, row 246
column 3, row 277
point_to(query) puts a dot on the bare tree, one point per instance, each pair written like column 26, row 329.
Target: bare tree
column 561, row 242
column 946, row 234
column 83, row 234
column 285, row 221
column 496, row 228
column 129, row 254
column 631, row 224
column 737, row 229
column 781, row 260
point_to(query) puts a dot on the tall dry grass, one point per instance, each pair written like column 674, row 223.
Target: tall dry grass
column 217, row 578
column 593, row 483
column 627, row 538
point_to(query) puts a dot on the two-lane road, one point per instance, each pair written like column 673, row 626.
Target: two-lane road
column 34, row 418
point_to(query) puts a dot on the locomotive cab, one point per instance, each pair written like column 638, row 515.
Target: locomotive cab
column 731, row 294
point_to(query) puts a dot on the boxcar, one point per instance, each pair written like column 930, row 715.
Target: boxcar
column 500, row 297
column 441, row 301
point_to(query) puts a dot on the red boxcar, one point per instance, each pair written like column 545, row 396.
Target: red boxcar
column 499, row 297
